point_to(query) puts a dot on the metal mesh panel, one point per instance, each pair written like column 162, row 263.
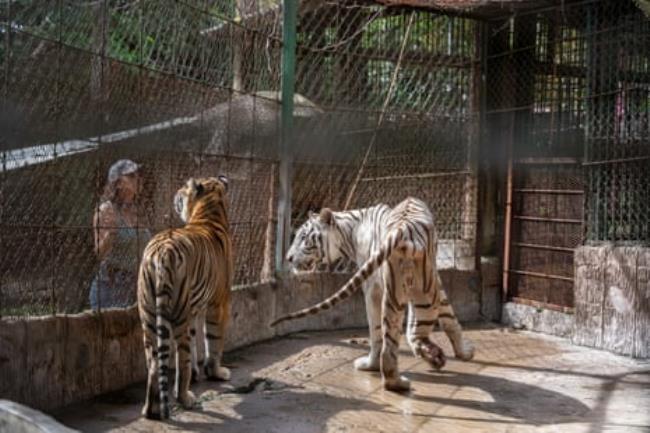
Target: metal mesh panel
column 571, row 105
column 179, row 87
column 386, row 107
column 618, row 128
column 397, row 89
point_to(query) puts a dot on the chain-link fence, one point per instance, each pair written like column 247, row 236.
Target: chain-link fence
column 397, row 88
column 390, row 101
column 617, row 155
column 568, row 97
column 179, row 87
column 384, row 109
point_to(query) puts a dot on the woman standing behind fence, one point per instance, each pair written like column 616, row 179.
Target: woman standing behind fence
column 119, row 238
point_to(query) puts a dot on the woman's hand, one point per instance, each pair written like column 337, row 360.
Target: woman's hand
column 104, row 224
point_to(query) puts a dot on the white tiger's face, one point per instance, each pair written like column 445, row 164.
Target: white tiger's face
column 312, row 243
column 196, row 190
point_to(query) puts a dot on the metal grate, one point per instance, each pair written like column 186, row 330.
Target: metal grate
column 617, row 157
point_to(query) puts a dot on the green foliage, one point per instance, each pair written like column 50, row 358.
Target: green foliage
column 135, row 30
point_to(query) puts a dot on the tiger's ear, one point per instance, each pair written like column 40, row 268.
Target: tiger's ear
column 327, row 216
column 224, row 180
column 194, row 186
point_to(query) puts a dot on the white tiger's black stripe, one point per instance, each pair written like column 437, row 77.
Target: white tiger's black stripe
column 353, row 284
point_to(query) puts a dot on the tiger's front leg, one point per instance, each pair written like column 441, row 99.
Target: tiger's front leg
column 373, row 294
column 215, row 329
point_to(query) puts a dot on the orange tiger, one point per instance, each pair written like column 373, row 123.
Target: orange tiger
column 185, row 278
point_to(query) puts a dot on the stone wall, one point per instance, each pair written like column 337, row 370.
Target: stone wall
column 612, row 299
column 49, row 362
column 543, row 320
column 612, row 303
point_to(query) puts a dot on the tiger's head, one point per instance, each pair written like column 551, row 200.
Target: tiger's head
column 201, row 196
column 315, row 243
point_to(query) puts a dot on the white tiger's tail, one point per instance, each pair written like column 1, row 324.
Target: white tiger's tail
column 371, row 265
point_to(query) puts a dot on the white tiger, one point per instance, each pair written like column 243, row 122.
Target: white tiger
column 402, row 241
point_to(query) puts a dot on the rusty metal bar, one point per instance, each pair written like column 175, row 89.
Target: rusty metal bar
column 545, row 305
column 549, row 220
column 548, row 161
column 417, row 176
column 549, row 191
column 508, row 221
column 544, row 247
column 541, row 275
column 618, row 161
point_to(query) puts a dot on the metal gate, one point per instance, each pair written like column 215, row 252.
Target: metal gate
column 539, row 110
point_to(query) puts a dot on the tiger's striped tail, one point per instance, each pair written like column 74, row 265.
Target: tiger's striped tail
column 366, row 270
column 163, row 292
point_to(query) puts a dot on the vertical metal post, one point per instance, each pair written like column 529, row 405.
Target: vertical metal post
column 289, row 11
column 4, row 144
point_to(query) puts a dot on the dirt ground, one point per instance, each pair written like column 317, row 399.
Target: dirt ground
column 518, row 382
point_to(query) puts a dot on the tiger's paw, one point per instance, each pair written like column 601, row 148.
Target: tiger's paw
column 187, row 400
column 465, row 352
column 216, row 372
column 367, row 363
column 155, row 412
column 223, row 373
column 432, row 353
column 397, row 384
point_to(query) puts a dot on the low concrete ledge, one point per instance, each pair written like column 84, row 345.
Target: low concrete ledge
column 16, row 418
column 53, row 361
column 551, row 322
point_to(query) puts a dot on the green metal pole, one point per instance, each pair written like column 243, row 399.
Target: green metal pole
column 290, row 9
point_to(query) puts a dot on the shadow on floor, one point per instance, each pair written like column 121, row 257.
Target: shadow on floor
column 529, row 403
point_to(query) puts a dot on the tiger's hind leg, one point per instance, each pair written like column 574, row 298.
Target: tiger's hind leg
column 372, row 293
column 184, row 366
column 463, row 349
column 423, row 315
column 393, row 318
column 196, row 373
column 151, row 407
column 216, row 319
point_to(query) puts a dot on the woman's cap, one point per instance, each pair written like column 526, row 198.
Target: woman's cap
column 122, row 168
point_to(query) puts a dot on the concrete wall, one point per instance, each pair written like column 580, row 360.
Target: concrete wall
column 612, row 303
column 612, row 299
column 49, row 362
column 53, row 361
column 550, row 322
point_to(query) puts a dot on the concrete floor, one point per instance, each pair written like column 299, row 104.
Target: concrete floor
column 518, row 382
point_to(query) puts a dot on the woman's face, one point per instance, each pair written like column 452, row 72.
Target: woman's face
column 129, row 187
